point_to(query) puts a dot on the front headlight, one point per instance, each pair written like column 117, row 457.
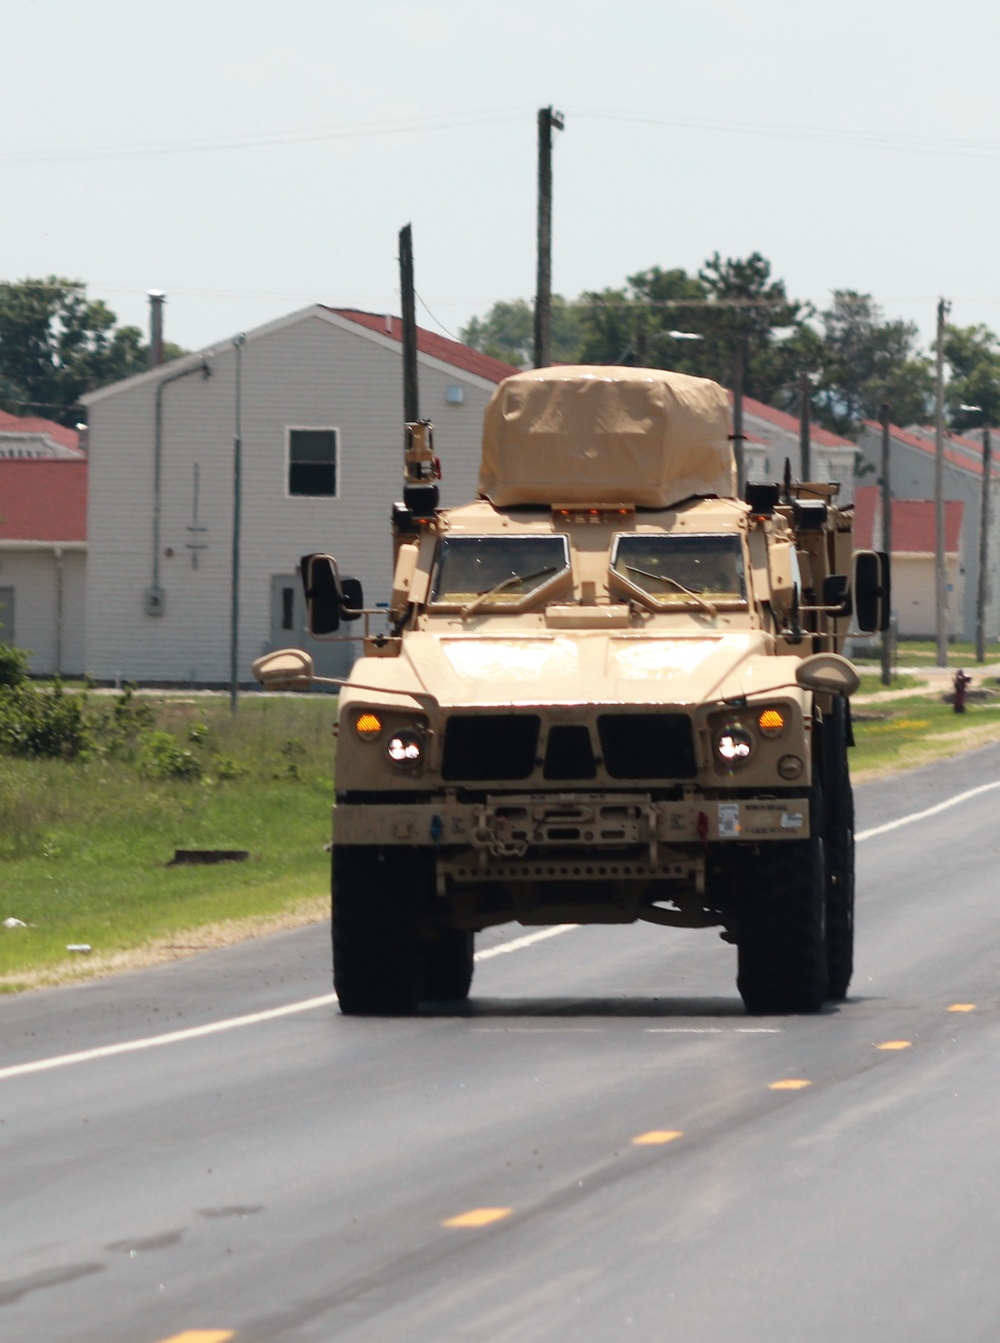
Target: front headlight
column 405, row 748
column 734, row 745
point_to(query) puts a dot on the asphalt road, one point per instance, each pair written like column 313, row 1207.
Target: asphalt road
column 627, row 1154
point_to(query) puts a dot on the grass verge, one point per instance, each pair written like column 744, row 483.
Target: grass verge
column 85, row 844
column 912, row 730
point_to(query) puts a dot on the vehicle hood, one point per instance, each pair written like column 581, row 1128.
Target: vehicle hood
column 590, row 667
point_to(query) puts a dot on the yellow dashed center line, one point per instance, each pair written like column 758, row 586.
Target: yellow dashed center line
column 656, row 1136
column 478, row 1217
column 790, row 1084
column 962, row 1007
column 202, row 1336
column 895, row 1044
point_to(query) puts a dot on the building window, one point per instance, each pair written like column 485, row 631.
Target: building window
column 312, row 463
column 287, row 608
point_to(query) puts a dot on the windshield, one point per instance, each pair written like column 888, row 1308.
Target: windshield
column 676, row 570
column 495, row 570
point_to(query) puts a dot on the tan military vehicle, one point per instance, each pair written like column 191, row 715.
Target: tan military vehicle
column 610, row 691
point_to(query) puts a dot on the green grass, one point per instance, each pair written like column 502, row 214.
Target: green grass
column 871, row 682
column 923, row 653
column 84, row 845
column 901, row 733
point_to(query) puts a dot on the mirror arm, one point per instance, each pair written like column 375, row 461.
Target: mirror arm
column 428, row 702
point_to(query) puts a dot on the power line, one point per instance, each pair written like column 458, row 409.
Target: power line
column 858, row 139
column 828, row 135
column 150, row 149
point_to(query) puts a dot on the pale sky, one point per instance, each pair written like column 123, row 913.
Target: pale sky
column 252, row 156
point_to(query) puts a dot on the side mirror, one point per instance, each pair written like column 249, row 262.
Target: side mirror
column 352, row 599
column 321, row 582
column 836, row 593
column 287, row 669
column 329, row 598
column 872, row 592
column 828, row 672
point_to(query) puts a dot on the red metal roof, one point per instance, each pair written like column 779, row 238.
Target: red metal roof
column 781, row 420
column 20, row 424
column 43, row 499
column 913, row 523
column 964, row 460
column 429, row 343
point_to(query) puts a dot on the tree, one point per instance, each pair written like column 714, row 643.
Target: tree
column 731, row 306
column 633, row 325
column 867, row 361
column 973, row 393
column 56, row 344
column 749, row 306
column 507, row 331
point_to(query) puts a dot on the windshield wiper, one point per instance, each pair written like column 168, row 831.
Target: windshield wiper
column 688, row 592
column 505, row 583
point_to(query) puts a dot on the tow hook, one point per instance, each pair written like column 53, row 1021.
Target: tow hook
column 488, row 837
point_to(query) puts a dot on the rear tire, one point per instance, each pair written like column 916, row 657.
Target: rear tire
column 839, row 801
column 377, row 960
column 781, row 926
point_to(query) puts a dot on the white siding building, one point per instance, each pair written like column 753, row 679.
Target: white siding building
column 321, row 427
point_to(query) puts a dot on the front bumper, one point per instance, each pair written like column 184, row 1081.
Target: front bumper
column 513, row 827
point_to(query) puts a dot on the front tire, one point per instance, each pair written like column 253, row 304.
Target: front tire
column 377, row 957
column 781, row 926
column 839, row 800
column 448, row 965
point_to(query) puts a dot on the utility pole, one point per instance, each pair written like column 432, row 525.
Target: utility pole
column 739, row 363
column 411, row 391
column 940, row 588
column 234, row 612
column 547, row 122
column 982, row 592
column 887, row 635
column 805, row 408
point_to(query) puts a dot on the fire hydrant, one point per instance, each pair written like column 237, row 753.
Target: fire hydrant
column 961, row 682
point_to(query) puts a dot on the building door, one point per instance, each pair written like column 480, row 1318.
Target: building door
column 6, row 615
column 331, row 657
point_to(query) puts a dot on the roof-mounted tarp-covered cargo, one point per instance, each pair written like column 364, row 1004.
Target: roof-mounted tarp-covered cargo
column 596, row 434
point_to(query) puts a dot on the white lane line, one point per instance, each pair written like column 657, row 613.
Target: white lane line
column 712, row 1030
column 527, row 941
column 171, row 1038
column 232, row 1023
column 930, row 811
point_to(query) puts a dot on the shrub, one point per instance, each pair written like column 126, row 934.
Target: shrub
column 43, row 722
column 13, row 665
column 228, row 768
column 119, row 732
column 162, row 757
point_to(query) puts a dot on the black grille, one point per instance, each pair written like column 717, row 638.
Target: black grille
column 647, row 745
column 568, row 754
column 490, row 746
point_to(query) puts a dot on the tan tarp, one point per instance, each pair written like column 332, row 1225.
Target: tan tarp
column 596, row 434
